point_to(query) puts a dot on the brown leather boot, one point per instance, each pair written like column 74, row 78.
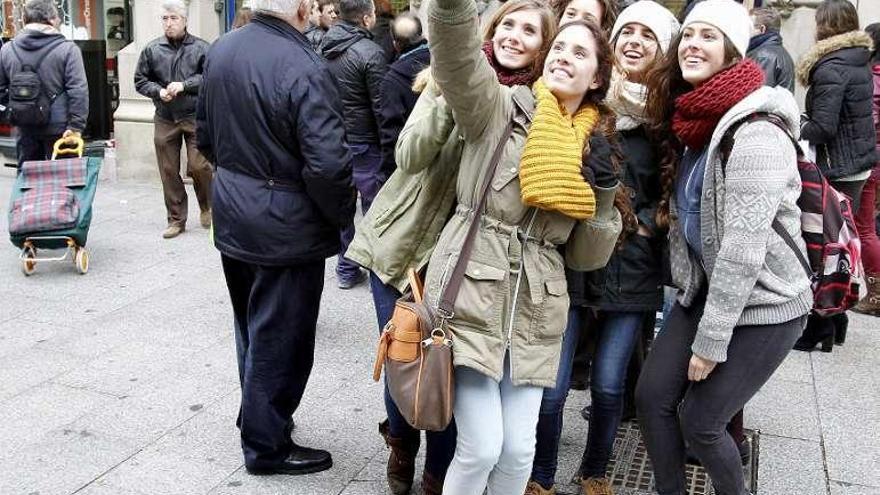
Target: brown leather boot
column 431, row 485
column 870, row 305
column 534, row 488
column 401, row 461
column 596, row 486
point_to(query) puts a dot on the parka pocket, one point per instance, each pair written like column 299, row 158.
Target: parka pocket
column 396, row 210
column 478, row 303
column 548, row 321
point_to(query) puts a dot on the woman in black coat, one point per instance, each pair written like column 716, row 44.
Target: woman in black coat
column 839, row 123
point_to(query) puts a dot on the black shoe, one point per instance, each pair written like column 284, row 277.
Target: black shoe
column 301, row 460
column 819, row 331
column 351, row 282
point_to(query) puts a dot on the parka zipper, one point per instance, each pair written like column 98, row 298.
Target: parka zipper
column 516, row 291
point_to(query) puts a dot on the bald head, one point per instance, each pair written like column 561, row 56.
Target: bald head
column 406, row 31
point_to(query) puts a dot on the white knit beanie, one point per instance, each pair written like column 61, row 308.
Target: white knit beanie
column 729, row 17
column 656, row 17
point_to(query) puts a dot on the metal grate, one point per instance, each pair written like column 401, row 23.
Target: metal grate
column 630, row 470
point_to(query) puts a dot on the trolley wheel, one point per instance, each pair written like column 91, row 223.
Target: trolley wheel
column 82, row 260
column 28, row 265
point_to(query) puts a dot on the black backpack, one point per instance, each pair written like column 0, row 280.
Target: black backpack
column 29, row 103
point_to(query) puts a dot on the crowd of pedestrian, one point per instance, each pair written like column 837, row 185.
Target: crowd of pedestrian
column 563, row 162
column 624, row 150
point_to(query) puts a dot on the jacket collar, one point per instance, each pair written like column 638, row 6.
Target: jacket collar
column 279, row 27
column 524, row 99
column 768, row 38
column 854, row 39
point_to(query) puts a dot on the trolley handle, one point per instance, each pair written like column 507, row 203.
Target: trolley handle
column 70, row 145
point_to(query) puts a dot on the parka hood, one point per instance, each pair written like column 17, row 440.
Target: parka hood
column 31, row 40
column 340, row 37
column 854, row 48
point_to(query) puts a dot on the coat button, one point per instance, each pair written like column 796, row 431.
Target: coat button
column 513, row 170
column 708, row 240
column 271, row 182
column 477, row 271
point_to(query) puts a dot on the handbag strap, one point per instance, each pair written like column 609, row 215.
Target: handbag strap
column 450, row 293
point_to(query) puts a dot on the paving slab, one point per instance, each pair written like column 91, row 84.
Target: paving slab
column 790, row 466
column 786, row 409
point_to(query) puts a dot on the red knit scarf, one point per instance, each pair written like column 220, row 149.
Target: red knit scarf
column 698, row 112
column 508, row 77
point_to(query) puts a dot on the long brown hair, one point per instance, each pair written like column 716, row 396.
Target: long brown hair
column 607, row 121
column 835, row 17
column 665, row 84
column 548, row 27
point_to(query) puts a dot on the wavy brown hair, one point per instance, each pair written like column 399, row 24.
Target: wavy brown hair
column 607, row 122
column 665, row 84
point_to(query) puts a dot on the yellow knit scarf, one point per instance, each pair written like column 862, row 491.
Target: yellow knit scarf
column 550, row 170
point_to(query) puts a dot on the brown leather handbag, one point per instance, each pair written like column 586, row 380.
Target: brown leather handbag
column 416, row 345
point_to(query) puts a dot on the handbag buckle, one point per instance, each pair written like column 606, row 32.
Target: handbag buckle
column 438, row 336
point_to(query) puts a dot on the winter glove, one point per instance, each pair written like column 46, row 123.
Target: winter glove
column 597, row 167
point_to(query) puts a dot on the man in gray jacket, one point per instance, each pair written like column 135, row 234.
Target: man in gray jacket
column 58, row 65
column 169, row 72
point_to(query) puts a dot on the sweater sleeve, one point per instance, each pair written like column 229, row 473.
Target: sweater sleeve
column 756, row 178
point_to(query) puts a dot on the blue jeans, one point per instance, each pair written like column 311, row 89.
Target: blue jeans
column 441, row 444
column 366, row 166
column 618, row 333
column 549, row 426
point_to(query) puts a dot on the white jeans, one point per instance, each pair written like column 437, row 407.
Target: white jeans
column 496, row 434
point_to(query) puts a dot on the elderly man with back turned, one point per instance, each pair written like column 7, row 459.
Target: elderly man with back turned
column 358, row 66
column 766, row 48
column 169, row 72
column 58, row 65
column 269, row 118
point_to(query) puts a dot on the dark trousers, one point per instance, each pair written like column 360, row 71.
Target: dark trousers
column 276, row 310
column 673, row 410
column 35, row 147
column 366, row 164
column 441, row 444
column 168, row 138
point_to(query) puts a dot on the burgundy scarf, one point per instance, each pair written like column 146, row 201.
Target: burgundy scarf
column 507, row 77
column 698, row 112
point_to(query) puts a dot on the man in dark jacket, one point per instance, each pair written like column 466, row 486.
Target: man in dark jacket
column 272, row 124
column 766, row 49
column 358, row 66
column 169, row 72
column 59, row 66
column 324, row 15
column 398, row 97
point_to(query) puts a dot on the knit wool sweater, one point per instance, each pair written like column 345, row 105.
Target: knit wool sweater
column 754, row 278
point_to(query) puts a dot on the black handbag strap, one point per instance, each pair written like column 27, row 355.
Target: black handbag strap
column 450, row 292
column 777, row 226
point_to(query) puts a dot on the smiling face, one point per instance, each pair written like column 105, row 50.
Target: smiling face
column 635, row 50
column 582, row 10
column 700, row 53
column 571, row 66
column 517, row 39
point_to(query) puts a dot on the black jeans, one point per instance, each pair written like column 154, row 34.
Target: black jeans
column 276, row 310
column 673, row 410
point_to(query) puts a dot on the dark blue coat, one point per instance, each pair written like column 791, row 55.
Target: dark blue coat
column 269, row 119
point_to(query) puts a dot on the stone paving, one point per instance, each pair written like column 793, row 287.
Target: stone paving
column 123, row 381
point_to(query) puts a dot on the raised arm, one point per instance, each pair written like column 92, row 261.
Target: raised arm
column 426, row 131
column 460, row 68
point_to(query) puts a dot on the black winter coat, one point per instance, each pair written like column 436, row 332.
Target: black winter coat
column 398, row 100
column 315, row 34
column 162, row 62
column 358, row 66
column 774, row 60
column 382, row 36
column 269, row 119
column 839, row 120
column 632, row 279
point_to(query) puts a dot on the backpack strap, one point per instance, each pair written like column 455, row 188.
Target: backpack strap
column 727, row 146
column 46, row 51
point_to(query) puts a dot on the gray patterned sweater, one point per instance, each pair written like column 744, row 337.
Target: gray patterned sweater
column 754, row 278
